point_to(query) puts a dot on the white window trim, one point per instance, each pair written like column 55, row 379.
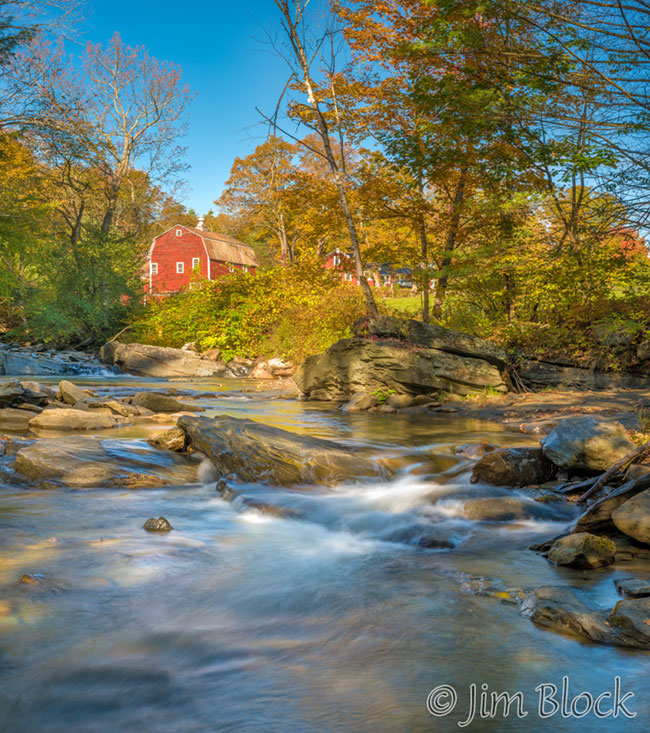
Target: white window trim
column 180, row 268
column 244, row 268
column 195, row 261
column 179, row 232
column 337, row 260
column 153, row 267
column 231, row 268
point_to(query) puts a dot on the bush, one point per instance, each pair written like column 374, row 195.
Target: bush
column 291, row 312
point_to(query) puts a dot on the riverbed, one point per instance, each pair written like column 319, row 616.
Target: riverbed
column 331, row 620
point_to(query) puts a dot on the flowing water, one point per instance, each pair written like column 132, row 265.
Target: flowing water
column 328, row 619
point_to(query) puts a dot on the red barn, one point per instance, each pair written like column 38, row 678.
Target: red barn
column 175, row 255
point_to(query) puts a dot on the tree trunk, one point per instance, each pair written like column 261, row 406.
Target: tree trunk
column 424, row 266
column 294, row 37
column 450, row 244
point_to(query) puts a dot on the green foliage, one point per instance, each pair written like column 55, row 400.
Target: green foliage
column 383, row 394
column 291, row 312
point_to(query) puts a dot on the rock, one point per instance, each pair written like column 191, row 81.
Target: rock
column 23, row 361
column 159, row 402
column 190, row 346
column 70, row 393
column 38, row 389
column 159, row 361
column 424, row 399
column 633, row 587
column 586, row 443
column 633, row 517
column 631, row 619
column 157, row 525
column 14, row 419
column 118, row 408
column 637, row 470
column 174, row 439
column 357, row 365
column 261, row 372
column 499, row 509
column 14, row 393
column 475, row 450
column 539, row 375
column 86, row 462
column 599, row 515
column 360, row 401
column 432, row 336
column 513, row 467
column 384, row 409
column 559, row 609
column 582, row 550
column 212, row 354
column 70, row 419
column 400, row 401
column 261, row 453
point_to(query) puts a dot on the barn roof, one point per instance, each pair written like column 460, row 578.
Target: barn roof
column 226, row 249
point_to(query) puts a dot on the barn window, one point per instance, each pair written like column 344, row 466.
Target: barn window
column 245, row 269
column 179, row 232
column 195, row 262
column 348, row 276
column 231, row 268
column 180, row 267
column 154, row 268
column 337, row 260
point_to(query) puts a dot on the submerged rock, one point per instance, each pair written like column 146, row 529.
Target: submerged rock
column 359, row 365
column 633, row 587
column 157, row 525
column 582, row 550
column 257, row 452
column 633, row 517
column 514, row 467
column 86, row 462
column 587, row 443
column 159, row 402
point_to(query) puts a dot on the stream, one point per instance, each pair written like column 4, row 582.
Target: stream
column 331, row 618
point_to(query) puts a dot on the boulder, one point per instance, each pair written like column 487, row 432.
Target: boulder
column 633, row 587
column 70, row 393
column 643, row 350
column 359, row 365
column 160, row 402
column 260, row 371
column 513, row 467
column 86, row 462
column 159, row 361
column 15, row 393
column 582, row 550
column 262, row 453
column 400, row 401
column 157, row 525
column 633, row 517
column 587, row 443
column 360, row 401
column 631, row 620
column 213, row 354
column 499, row 508
column 70, row 419
column 13, row 419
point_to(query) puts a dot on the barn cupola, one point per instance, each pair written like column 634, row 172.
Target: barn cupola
column 201, row 222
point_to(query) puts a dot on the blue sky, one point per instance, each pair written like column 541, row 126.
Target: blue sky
column 219, row 47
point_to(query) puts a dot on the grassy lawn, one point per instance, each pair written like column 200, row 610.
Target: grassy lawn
column 411, row 306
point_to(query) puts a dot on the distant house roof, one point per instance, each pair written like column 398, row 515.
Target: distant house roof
column 225, row 248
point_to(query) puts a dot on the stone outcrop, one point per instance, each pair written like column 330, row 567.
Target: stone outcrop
column 362, row 365
column 261, row 453
column 86, row 462
column 633, row 517
column 159, row 361
column 514, row 467
column 15, row 394
column 539, row 374
column 599, row 515
column 587, row 443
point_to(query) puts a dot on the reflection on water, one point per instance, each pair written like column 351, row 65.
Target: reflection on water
column 327, row 619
